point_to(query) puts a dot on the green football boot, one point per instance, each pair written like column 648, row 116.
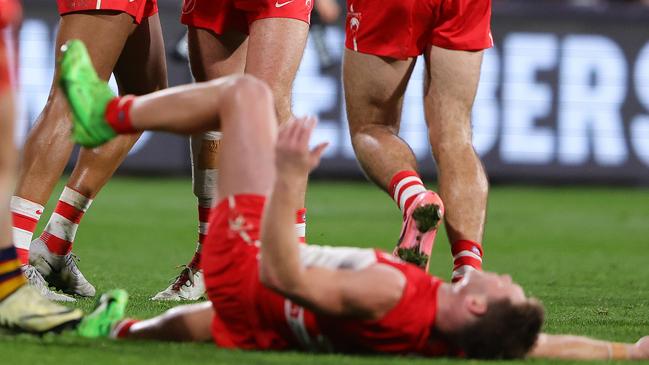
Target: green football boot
column 108, row 312
column 87, row 95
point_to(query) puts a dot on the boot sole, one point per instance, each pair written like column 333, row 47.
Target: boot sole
column 427, row 218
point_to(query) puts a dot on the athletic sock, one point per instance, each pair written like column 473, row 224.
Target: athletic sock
column 204, row 183
column 118, row 114
column 204, row 211
column 25, row 215
column 11, row 275
column 404, row 188
column 122, row 328
column 467, row 255
column 300, row 225
column 62, row 226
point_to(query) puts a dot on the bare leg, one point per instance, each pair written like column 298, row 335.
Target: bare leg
column 272, row 53
column 141, row 69
column 7, row 161
column 275, row 50
column 374, row 89
column 183, row 323
column 48, row 145
column 136, row 54
column 450, row 90
column 240, row 106
column 212, row 56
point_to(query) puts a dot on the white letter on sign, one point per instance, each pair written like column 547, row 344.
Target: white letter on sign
column 525, row 100
column 640, row 124
column 592, row 88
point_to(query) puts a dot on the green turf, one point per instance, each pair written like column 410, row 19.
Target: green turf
column 581, row 250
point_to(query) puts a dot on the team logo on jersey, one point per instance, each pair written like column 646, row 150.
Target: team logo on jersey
column 188, row 6
column 354, row 24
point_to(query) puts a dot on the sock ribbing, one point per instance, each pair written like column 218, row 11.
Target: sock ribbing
column 62, row 227
column 404, row 188
column 467, row 255
column 25, row 215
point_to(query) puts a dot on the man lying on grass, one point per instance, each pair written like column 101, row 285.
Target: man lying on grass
column 266, row 291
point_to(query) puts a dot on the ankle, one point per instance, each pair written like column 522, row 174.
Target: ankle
column 118, row 114
column 467, row 255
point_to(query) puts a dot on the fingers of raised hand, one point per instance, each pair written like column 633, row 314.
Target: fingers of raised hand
column 306, row 126
column 316, row 153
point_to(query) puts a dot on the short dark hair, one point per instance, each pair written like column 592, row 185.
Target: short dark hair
column 504, row 331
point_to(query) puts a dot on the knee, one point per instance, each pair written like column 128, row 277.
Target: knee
column 448, row 140
column 371, row 135
column 246, row 89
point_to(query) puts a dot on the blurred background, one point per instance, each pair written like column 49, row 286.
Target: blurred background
column 564, row 94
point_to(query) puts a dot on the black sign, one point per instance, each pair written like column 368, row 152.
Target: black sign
column 564, row 95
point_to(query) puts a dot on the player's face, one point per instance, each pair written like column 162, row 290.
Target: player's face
column 493, row 285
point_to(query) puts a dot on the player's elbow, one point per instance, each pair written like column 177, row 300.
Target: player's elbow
column 266, row 276
column 269, row 277
column 274, row 280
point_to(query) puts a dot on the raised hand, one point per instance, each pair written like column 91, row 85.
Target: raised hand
column 292, row 155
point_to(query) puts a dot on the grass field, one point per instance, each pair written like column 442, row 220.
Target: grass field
column 582, row 250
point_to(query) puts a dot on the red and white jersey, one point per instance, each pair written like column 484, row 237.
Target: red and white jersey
column 406, row 329
column 250, row 316
column 10, row 12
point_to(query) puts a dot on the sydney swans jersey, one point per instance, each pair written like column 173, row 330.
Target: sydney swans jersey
column 251, row 316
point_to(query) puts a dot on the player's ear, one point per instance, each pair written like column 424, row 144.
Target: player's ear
column 476, row 304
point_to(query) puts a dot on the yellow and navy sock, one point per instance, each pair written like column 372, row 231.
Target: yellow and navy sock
column 11, row 275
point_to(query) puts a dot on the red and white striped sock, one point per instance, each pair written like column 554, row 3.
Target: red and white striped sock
column 62, row 227
column 300, row 225
column 122, row 329
column 404, row 188
column 467, row 255
column 25, row 215
column 204, row 211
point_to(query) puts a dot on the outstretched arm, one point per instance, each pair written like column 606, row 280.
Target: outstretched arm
column 584, row 348
column 338, row 292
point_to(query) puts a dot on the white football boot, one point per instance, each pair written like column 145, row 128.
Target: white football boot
column 36, row 281
column 26, row 310
column 61, row 271
column 188, row 285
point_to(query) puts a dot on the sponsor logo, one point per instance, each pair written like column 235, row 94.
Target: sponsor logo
column 279, row 5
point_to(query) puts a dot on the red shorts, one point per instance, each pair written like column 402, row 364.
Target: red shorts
column 138, row 9
column 5, row 68
column 10, row 13
column 231, row 269
column 222, row 15
column 404, row 28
